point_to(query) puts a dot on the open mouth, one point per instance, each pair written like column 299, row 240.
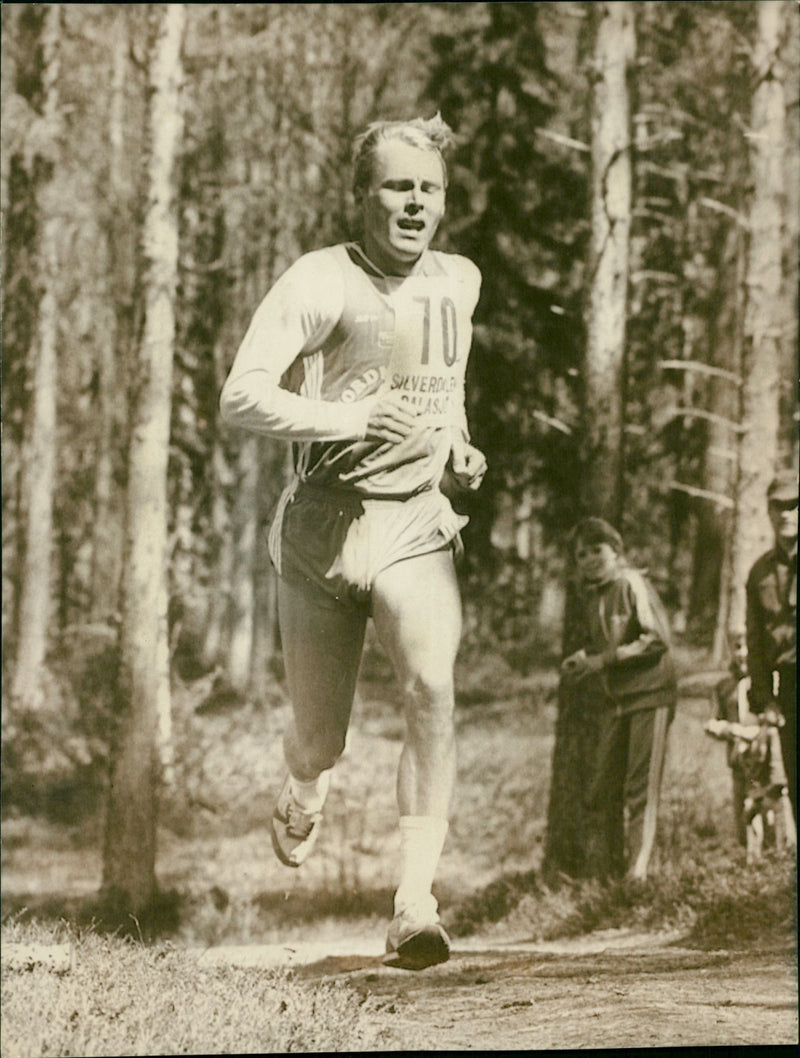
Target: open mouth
column 410, row 224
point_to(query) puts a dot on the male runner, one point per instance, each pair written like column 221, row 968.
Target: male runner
column 357, row 355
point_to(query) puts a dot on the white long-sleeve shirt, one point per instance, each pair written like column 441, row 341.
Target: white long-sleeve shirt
column 330, row 338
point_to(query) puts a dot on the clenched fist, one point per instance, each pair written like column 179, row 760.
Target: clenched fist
column 468, row 464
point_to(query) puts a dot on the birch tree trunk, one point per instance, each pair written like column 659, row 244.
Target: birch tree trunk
column 614, row 49
column 137, row 769
column 765, row 324
column 37, row 472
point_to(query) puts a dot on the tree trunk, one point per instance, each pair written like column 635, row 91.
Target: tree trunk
column 790, row 414
column 216, row 633
column 708, row 605
column 608, row 257
column 722, row 450
column 143, row 693
column 37, row 473
column 765, row 324
column 216, row 636
column 12, row 130
column 564, row 851
column 106, row 542
column 245, row 523
column 273, row 473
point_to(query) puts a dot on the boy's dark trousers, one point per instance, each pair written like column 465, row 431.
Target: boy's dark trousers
column 624, row 774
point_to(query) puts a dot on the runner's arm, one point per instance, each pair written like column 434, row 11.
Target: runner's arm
column 295, row 317
column 468, row 463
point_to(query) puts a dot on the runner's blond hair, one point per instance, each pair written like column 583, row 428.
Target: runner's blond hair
column 429, row 134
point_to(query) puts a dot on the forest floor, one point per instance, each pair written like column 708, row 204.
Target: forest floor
column 683, row 961
column 603, row 990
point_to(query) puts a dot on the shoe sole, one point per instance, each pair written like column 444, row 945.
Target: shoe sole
column 278, row 850
column 429, row 947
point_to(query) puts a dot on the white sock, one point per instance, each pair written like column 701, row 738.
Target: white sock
column 310, row 796
column 421, row 843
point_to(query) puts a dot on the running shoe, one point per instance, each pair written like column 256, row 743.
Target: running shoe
column 294, row 832
column 415, row 941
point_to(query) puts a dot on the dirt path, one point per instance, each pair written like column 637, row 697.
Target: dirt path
column 607, row 990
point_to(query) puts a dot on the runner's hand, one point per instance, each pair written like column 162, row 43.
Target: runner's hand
column 468, row 464
column 391, row 419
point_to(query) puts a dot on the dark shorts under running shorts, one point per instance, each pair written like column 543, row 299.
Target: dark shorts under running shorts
column 337, row 541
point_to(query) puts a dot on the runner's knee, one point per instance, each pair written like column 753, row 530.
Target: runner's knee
column 430, row 699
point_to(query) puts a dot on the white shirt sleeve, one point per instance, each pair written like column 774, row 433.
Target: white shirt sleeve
column 295, row 317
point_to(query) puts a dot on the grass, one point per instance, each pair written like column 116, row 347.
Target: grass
column 716, row 903
column 121, row 996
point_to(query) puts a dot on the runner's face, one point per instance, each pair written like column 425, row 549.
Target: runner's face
column 403, row 205
column 596, row 562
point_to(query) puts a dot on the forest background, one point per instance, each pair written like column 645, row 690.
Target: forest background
column 163, row 164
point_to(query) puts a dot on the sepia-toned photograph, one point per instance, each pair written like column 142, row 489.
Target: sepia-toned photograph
column 399, row 557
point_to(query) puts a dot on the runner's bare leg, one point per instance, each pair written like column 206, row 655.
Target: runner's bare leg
column 417, row 616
